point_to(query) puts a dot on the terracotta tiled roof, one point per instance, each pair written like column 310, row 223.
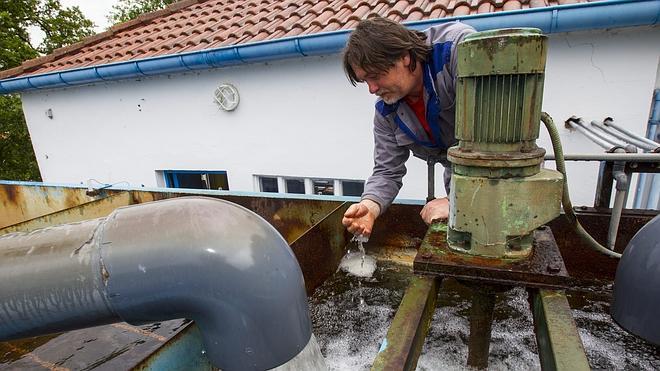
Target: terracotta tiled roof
column 190, row 25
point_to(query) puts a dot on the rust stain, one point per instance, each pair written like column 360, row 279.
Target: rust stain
column 140, row 331
column 544, row 267
column 37, row 360
column 11, row 193
column 71, row 199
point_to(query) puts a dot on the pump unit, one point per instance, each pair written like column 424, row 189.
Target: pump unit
column 499, row 193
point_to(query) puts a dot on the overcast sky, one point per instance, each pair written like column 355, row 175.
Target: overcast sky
column 94, row 10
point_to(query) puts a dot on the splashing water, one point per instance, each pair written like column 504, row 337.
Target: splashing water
column 358, row 263
column 310, row 358
column 351, row 316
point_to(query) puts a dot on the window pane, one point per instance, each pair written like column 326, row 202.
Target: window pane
column 188, row 180
column 218, row 181
column 352, row 188
column 323, row 187
column 268, row 184
column 295, row 186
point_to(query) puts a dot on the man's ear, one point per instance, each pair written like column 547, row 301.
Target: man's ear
column 406, row 60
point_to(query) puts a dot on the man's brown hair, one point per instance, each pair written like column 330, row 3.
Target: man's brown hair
column 378, row 43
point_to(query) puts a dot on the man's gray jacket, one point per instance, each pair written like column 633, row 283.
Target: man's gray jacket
column 397, row 131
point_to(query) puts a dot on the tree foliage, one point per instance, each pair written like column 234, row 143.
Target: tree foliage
column 17, row 161
column 61, row 26
column 126, row 10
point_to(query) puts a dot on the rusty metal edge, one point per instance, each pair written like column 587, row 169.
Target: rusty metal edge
column 504, row 282
column 320, row 249
column 121, row 199
column 557, row 336
column 339, row 209
column 403, row 343
column 184, row 350
column 426, row 263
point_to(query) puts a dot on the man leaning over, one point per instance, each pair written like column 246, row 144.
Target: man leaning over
column 413, row 73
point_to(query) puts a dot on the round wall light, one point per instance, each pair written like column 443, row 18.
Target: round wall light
column 226, row 96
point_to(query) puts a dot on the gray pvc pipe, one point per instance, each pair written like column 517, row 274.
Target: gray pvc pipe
column 601, row 135
column 624, row 137
column 621, row 195
column 200, row 258
column 610, row 123
column 617, row 208
column 607, row 145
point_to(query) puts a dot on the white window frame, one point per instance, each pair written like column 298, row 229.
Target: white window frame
column 308, row 181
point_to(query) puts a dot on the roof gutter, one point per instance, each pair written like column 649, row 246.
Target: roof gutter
column 554, row 19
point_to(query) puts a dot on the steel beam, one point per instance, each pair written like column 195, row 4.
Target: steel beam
column 404, row 340
column 481, row 323
column 559, row 343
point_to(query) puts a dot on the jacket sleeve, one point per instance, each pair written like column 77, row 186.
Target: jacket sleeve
column 389, row 165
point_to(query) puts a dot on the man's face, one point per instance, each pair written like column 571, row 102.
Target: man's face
column 392, row 85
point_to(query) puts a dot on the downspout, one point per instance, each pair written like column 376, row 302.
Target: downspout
column 647, row 195
column 200, row 258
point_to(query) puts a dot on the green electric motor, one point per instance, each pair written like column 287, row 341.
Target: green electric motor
column 499, row 193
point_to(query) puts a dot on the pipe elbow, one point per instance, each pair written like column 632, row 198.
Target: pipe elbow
column 621, row 180
column 214, row 262
column 191, row 257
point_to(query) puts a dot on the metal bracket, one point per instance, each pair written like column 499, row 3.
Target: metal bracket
column 544, row 268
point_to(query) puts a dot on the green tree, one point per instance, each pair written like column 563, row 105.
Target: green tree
column 126, row 10
column 61, row 26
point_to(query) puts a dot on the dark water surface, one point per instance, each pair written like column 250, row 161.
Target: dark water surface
column 351, row 316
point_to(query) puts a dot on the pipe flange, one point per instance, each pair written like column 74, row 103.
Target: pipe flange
column 532, row 158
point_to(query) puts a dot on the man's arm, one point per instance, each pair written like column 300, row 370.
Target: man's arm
column 438, row 209
column 389, row 165
column 384, row 184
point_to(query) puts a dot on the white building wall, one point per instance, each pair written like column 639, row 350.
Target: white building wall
column 302, row 118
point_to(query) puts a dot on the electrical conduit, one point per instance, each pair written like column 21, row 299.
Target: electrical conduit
column 566, row 200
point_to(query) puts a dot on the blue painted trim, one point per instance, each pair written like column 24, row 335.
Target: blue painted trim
column 196, row 171
column 172, row 179
column 560, row 18
column 166, row 176
column 398, row 201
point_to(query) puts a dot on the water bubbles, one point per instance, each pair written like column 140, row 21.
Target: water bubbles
column 351, row 316
column 358, row 264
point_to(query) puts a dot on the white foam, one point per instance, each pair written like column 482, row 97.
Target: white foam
column 610, row 347
column 309, row 359
column 358, row 264
column 513, row 344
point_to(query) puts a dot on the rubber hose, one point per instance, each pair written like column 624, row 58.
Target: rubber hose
column 566, row 200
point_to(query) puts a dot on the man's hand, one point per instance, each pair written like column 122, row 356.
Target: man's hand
column 359, row 218
column 435, row 209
